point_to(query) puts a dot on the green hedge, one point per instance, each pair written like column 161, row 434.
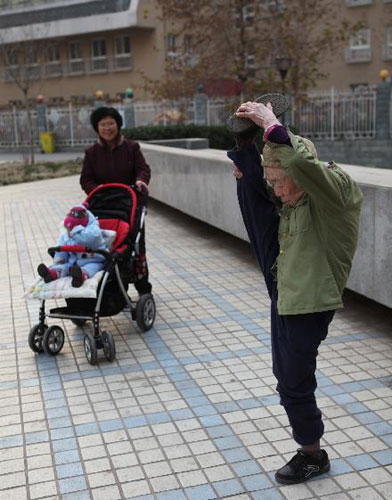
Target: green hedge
column 218, row 135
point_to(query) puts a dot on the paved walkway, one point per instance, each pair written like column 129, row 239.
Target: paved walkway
column 188, row 411
column 39, row 157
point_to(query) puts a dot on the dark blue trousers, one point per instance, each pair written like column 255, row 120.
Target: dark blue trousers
column 295, row 338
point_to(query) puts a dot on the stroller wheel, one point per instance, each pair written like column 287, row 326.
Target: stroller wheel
column 109, row 347
column 90, row 349
column 79, row 322
column 145, row 312
column 35, row 338
column 53, row 340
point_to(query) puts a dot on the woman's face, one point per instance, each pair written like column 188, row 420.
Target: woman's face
column 108, row 129
column 284, row 187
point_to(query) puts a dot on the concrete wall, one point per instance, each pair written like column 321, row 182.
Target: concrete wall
column 365, row 152
column 199, row 183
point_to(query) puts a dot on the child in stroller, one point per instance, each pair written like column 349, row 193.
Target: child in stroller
column 80, row 228
column 121, row 209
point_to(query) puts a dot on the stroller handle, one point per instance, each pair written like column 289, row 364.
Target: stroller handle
column 78, row 249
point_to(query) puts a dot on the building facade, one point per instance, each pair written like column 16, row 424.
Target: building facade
column 368, row 52
column 69, row 49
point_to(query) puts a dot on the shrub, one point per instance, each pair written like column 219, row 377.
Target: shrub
column 218, row 135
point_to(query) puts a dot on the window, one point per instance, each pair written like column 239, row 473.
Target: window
column 99, row 48
column 99, row 61
column 387, row 47
column 244, row 15
column 248, row 13
column 54, row 52
column 122, row 45
column 272, row 6
column 53, row 66
column 75, row 55
column 31, row 57
column 250, row 62
column 171, row 43
column 12, row 71
column 33, row 69
column 359, row 50
column 389, row 36
column 122, row 60
column 12, row 57
column 361, row 39
column 75, row 51
column 187, row 44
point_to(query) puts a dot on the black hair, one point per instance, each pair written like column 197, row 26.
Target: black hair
column 98, row 114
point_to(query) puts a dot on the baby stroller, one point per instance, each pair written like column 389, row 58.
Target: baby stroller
column 121, row 210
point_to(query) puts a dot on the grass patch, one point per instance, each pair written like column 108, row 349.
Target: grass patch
column 17, row 172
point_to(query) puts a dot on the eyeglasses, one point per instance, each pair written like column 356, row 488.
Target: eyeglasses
column 276, row 183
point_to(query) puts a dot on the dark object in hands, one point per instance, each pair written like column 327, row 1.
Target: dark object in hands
column 245, row 128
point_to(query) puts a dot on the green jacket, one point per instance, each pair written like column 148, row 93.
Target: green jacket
column 318, row 236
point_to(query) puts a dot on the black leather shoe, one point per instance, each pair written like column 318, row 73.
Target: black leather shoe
column 302, row 467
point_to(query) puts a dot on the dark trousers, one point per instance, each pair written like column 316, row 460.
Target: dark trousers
column 142, row 283
column 295, row 338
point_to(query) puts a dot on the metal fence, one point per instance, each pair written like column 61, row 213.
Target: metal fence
column 331, row 116
column 71, row 123
column 336, row 115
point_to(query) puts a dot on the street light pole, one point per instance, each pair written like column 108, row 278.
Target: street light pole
column 283, row 64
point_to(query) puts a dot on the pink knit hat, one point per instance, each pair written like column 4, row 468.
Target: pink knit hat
column 77, row 216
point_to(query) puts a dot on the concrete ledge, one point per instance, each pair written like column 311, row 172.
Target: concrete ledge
column 189, row 143
column 199, row 183
column 365, row 152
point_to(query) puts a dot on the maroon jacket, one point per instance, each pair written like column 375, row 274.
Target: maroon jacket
column 124, row 164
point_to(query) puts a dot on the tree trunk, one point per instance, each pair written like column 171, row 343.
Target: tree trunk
column 31, row 131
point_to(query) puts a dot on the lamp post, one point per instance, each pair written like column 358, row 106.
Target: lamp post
column 40, row 107
column 129, row 109
column 99, row 99
column 283, row 64
column 129, row 93
column 383, row 105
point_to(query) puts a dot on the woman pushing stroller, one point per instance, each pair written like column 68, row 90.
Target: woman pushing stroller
column 115, row 159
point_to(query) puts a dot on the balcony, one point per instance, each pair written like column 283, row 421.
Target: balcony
column 122, row 62
column 99, row 64
column 387, row 52
column 11, row 73
column 53, row 69
column 358, row 3
column 72, row 17
column 76, row 67
column 73, row 67
column 358, row 55
column 23, row 4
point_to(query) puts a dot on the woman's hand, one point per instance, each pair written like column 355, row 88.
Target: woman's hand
column 261, row 115
column 142, row 186
column 237, row 172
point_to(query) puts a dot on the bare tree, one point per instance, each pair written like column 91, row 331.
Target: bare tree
column 23, row 65
column 241, row 40
column 308, row 33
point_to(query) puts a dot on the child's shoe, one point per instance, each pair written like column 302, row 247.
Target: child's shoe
column 78, row 276
column 46, row 273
